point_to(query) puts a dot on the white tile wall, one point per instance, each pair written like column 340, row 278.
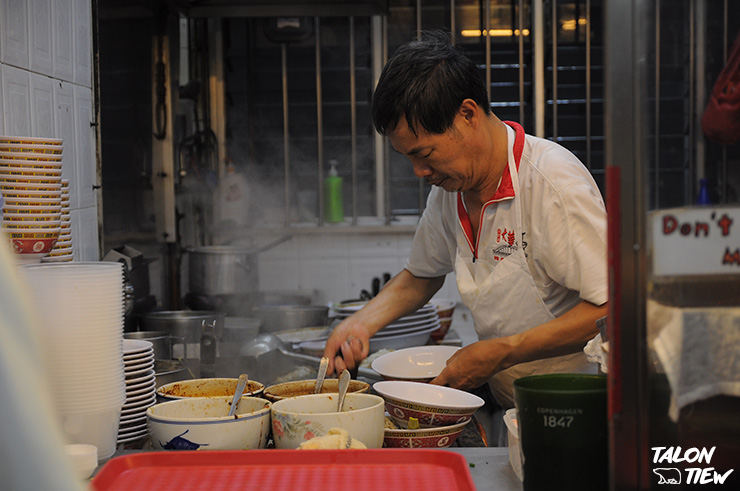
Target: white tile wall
column 14, row 33
column 42, row 106
column 337, row 265
column 46, row 91
column 328, row 276
column 62, row 35
column 82, row 43
column 16, row 101
column 64, row 127
column 85, row 234
column 2, row 105
column 40, row 36
column 84, row 148
column 278, row 273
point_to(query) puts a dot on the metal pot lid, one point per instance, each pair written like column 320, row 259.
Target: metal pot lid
column 182, row 314
column 222, row 249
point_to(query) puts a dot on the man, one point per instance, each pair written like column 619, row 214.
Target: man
column 519, row 220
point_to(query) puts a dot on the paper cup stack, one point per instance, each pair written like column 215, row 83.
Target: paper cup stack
column 62, row 251
column 79, row 306
column 31, row 185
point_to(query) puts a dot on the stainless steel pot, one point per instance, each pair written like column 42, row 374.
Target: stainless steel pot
column 161, row 342
column 222, row 270
column 186, row 324
column 280, row 318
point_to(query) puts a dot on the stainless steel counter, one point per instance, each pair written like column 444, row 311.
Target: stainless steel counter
column 490, row 468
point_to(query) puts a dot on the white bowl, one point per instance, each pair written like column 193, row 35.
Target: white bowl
column 83, row 458
column 432, row 405
column 94, row 427
column 29, row 147
column 298, row 419
column 419, row 364
column 201, row 423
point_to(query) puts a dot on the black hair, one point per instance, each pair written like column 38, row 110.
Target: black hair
column 425, row 81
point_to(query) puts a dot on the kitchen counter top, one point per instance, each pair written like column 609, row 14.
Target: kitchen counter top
column 490, row 468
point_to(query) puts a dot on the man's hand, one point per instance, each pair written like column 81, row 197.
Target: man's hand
column 347, row 346
column 471, row 366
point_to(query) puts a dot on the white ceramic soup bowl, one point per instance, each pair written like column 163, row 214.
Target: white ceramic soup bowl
column 419, row 363
column 298, row 419
column 432, row 405
column 201, row 423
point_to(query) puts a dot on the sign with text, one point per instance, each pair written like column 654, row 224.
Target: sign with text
column 696, row 241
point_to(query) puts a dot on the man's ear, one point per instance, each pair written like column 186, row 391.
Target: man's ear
column 469, row 112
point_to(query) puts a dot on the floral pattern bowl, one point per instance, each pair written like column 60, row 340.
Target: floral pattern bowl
column 432, row 405
column 441, row 437
column 298, row 419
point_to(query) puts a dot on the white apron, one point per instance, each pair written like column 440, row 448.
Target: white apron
column 496, row 285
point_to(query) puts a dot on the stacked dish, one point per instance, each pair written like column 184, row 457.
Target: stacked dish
column 442, row 413
column 62, row 251
column 31, row 186
column 79, row 307
column 411, row 330
column 138, row 369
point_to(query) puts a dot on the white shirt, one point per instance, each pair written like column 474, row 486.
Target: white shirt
column 564, row 227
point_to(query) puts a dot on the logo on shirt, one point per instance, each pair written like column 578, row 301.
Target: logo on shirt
column 506, row 238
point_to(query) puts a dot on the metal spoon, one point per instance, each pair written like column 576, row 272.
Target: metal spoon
column 344, row 379
column 240, row 386
column 323, row 365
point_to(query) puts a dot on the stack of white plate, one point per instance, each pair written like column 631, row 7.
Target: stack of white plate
column 79, row 307
column 62, row 251
column 30, row 183
column 411, row 330
column 138, row 363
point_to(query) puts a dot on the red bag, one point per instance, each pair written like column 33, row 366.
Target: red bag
column 721, row 119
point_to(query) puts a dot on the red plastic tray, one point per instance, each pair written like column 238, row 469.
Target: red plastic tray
column 211, row 470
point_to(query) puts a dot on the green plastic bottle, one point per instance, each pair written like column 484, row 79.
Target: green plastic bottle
column 333, row 201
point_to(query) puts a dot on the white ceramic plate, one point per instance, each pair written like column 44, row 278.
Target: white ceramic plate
column 416, row 363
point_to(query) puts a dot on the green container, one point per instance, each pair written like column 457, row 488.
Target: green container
column 333, row 199
column 563, row 431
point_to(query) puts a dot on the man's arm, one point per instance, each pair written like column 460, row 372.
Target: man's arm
column 474, row 365
column 349, row 343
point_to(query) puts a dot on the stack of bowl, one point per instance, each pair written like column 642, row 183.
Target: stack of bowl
column 31, row 186
column 442, row 413
column 445, row 308
column 79, row 307
column 138, row 368
column 62, row 251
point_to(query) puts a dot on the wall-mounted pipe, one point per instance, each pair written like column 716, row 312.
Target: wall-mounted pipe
column 286, row 134
column 353, row 115
column 319, row 119
column 555, row 70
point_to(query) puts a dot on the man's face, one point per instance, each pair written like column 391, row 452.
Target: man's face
column 443, row 160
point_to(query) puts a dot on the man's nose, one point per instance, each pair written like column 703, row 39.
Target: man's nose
column 420, row 168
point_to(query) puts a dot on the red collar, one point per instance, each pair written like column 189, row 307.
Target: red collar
column 504, row 191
